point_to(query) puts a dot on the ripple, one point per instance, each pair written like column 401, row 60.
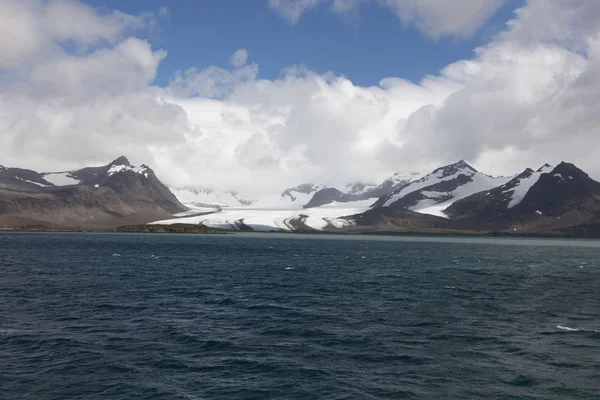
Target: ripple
column 221, row 318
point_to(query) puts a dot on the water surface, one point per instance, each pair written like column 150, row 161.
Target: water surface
column 118, row 316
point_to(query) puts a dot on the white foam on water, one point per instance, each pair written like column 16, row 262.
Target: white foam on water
column 567, row 329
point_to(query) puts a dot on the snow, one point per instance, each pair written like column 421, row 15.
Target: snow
column 279, row 219
column 436, row 209
column 520, row 191
column 559, row 176
column 398, row 177
column 96, row 186
column 61, row 179
column 538, row 212
column 428, row 180
column 193, row 197
column 195, row 210
column 119, row 168
column 431, row 205
column 35, row 183
column 359, row 188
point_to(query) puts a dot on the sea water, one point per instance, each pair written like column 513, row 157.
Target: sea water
column 134, row 316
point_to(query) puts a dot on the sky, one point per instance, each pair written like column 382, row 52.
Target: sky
column 261, row 95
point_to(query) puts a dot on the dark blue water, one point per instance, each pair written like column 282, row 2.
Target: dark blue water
column 107, row 316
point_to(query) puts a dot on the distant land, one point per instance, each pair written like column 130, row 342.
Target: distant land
column 456, row 199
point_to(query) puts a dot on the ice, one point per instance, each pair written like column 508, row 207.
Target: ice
column 265, row 219
column 206, row 197
column 61, row 179
column 194, row 198
column 194, row 210
column 520, row 191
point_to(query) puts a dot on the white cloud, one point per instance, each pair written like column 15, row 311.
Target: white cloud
column 434, row 18
column 438, row 18
column 531, row 95
column 32, row 28
column 239, row 58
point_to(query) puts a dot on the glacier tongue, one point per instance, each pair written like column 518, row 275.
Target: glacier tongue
column 277, row 219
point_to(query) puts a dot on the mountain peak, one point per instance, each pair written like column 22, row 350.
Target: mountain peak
column 569, row 169
column 546, row 167
column 121, row 161
column 452, row 169
column 462, row 164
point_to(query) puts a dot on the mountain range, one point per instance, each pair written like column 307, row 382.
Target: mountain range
column 453, row 199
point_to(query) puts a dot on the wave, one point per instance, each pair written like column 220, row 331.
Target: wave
column 567, row 329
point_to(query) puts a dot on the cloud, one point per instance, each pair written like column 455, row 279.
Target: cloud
column 291, row 10
column 239, row 58
column 437, row 18
column 33, row 28
column 531, row 95
column 434, row 18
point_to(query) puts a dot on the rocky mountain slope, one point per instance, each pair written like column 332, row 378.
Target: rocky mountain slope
column 439, row 189
column 88, row 195
column 534, row 201
column 454, row 199
column 360, row 191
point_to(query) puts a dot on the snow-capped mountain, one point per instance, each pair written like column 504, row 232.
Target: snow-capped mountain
column 360, row 191
column 498, row 199
column 439, row 189
column 551, row 200
column 561, row 193
column 88, row 195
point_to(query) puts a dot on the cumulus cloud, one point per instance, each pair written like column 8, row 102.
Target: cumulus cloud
column 239, row 58
column 33, row 28
column 434, row 18
column 531, row 95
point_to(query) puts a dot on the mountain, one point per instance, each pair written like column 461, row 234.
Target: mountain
column 198, row 198
column 495, row 202
column 87, row 196
column 546, row 199
column 439, row 189
column 454, row 199
column 360, row 191
column 330, row 195
column 205, row 199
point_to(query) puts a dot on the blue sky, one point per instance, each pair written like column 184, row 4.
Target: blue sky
column 366, row 45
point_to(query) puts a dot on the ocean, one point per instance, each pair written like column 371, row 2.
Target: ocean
column 275, row 316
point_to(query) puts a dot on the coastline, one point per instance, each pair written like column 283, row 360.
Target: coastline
column 580, row 233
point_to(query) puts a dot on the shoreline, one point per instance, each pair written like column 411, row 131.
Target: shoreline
column 189, row 229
